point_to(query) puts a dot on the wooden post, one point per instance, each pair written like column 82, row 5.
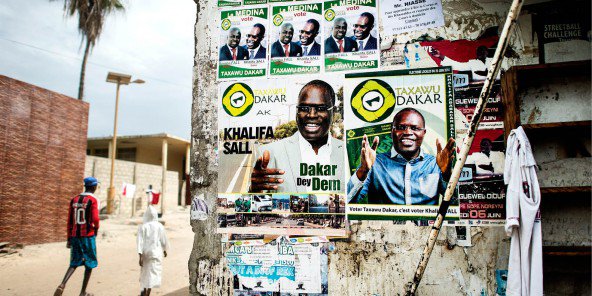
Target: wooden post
column 466, row 145
column 164, row 173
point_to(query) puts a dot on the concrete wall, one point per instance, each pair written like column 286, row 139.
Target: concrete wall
column 42, row 148
column 139, row 174
column 380, row 257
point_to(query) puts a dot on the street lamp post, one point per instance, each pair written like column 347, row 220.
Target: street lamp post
column 119, row 79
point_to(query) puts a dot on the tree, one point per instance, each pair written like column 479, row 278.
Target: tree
column 91, row 16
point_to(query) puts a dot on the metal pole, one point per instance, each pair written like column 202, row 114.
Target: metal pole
column 466, row 145
column 111, row 192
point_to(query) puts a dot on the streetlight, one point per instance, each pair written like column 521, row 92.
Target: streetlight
column 125, row 80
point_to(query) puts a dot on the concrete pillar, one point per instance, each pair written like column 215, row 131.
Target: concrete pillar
column 165, row 147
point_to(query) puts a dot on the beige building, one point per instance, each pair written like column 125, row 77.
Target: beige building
column 159, row 160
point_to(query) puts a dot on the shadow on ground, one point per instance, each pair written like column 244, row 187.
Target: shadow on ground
column 180, row 292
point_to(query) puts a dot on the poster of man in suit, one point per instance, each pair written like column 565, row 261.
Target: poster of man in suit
column 281, row 140
column 350, row 36
column 295, row 33
column 243, row 43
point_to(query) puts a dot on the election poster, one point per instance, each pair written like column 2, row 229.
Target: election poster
column 351, row 35
column 394, row 121
column 279, row 266
column 281, row 168
column 410, row 15
column 243, row 43
column 295, row 33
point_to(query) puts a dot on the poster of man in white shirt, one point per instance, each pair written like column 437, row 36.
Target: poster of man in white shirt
column 486, row 161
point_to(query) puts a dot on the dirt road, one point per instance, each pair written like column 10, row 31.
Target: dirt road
column 38, row 269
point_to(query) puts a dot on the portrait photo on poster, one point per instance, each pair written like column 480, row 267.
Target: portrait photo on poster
column 400, row 147
column 243, row 43
column 351, row 35
column 282, row 139
column 296, row 39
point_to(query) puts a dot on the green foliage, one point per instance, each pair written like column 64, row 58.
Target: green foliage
column 285, row 130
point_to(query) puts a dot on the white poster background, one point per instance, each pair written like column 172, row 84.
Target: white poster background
column 400, row 16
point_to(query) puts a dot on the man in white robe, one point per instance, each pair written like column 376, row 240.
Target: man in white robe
column 152, row 246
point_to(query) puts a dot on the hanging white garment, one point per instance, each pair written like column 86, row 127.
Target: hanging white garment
column 152, row 242
column 523, row 221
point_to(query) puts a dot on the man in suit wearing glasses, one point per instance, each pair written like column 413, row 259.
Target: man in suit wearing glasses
column 284, row 166
column 406, row 175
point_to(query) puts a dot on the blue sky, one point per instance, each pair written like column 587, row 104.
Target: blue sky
column 152, row 40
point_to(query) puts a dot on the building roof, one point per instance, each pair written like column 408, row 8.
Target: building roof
column 138, row 137
column 175, row 144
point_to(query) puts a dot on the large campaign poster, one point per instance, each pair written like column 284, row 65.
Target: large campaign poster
column 281, row 169
column 351, row 40
column 394, row 121
column 279, row 266
column 296, row 36
column 243, row 43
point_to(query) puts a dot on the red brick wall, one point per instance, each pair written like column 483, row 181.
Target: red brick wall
column 42, row 155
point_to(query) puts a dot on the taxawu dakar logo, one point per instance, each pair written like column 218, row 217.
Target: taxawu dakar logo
column 278, row 19
column 226, row 24
column 237, row 99
column 373, row 100
column 329, row 14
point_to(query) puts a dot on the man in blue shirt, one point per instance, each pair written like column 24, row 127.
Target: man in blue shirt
column 405, row 175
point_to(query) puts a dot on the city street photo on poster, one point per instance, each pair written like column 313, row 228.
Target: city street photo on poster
column 399, row 126
column 243, row 43
column 351, row 41
column 296, row 39
column 282, row 214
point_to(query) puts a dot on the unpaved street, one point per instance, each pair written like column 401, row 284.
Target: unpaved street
column 38, row 269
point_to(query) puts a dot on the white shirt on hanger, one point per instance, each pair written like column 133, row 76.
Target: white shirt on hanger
column 523, row 220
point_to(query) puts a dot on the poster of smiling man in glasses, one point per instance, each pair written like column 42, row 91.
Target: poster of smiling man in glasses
column 351, row 35
column 399, row 131
column 295, row 29
column 282, row 138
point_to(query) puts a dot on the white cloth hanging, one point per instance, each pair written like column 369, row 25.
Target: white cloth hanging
column 152, row 242
column 523, row 220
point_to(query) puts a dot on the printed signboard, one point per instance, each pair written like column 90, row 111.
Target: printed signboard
column 243, row 43
column 281, row 165
column 279, row 266
column 394, row 122
column 351, row 35
column 296, row 36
